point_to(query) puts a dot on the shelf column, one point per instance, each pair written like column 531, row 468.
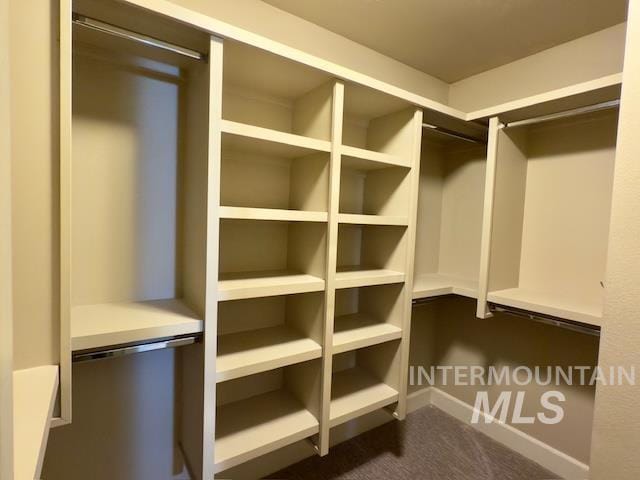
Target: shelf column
column 332, row 252
column 414, row 154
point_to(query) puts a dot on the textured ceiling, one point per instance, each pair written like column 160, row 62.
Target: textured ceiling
column 454, row 39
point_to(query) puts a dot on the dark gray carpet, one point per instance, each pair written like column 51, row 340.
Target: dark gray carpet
column 428, row 445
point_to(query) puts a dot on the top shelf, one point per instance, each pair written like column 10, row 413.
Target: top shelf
column 574, row 96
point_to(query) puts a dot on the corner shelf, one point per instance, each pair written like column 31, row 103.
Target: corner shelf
column 355, row 392
column 100, row 325
column 434, row 285
column 359, row 276
column 249, row 428
column 357, row 219
column 548, row 304
column 255, row 351
column 275, row 214
column 360, row 330
column 265, row 141
column 34, row 395
column 236, row 286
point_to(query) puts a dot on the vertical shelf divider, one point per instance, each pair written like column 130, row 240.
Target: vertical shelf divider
column 332, row 253
column 216, row 50
column 414, row 154
column 487, row 218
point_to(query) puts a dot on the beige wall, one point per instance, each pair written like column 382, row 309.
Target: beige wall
column 451, row 334
column 34, row 132
column 616, row 433
column 124, row 422
column 6, row 322
column 261, row 18
column 586, row 58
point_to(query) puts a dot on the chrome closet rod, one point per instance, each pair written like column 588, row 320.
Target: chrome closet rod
column 546, row 319
column 121, row 351
column 104, row 27
column 451, row 133
column 566, row 113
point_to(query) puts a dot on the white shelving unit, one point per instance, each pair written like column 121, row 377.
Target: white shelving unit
column 450, row 209
column 547, row 236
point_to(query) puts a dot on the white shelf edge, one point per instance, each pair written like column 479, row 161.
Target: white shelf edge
column 34, row 395
column 292, row 347
column 512, row 298
column 263, row 286
column 376, row 157
column 275, row 214
column 435, row 285
column 136, row 322
column 386, row 332
column 359, row 219
column 367, row 277
column 274, row 136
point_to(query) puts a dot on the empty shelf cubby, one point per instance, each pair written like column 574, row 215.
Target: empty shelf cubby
column 367, row 316
column 260, row 334
column 267, row 91
column 364, row 380
column 377, row 127
column 264, row 258
column 136, row 192
column 370, row 255
column 449, row 223
column 368, row 190
column 551, row 216
column 267, row 411
column 260, row 175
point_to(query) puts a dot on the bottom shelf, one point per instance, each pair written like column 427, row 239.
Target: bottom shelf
column 258, row 425
column 355, row 392
column 549, row 304
column 34, row 394
column 435, row 284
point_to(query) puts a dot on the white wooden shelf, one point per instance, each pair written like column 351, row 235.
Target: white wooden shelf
column 249, row 138
column 106, row 324
column 236, row 286
column 434, row 285
column 549, row 304
column 355, row 392
column 356, row 276
column 34, row 395
column 255, row 351
column 245, row 213
column 361, row 159
column 357, row 219
column 358, row 330
column 257, row 425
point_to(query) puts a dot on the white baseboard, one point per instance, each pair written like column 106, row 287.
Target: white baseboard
column 550, row 458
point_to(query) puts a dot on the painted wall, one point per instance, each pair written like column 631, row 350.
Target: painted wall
column 6, row 321
column 124, row 422
column 446, row 332
column 586, row 58
column 616, row 433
